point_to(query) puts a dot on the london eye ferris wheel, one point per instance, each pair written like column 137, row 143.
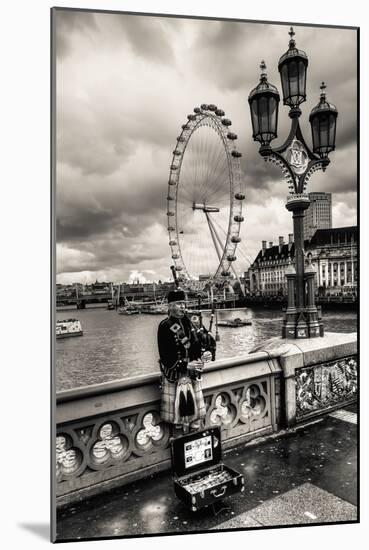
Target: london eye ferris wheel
column 205, row 196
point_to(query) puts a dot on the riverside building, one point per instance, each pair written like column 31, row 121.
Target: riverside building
column 334, row 256
column 267, row 272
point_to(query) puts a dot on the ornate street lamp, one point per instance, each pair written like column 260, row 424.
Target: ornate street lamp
column 323, row 120
column 292, row 67
column 297, row 163
column 264, row 100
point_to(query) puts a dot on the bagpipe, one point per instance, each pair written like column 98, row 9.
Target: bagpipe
column 205, row 336
column 199, row 332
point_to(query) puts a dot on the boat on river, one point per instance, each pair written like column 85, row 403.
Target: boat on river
column 234, row 322
column 68, row 328
column 128, row 311
column 160, row 309
column 129, row 308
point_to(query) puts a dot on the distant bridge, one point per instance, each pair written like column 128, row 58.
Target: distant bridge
column 146, row 297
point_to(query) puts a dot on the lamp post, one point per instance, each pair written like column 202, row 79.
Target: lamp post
column 297, row 163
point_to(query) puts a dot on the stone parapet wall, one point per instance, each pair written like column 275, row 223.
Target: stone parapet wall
column 110, row 434
column 318, row 373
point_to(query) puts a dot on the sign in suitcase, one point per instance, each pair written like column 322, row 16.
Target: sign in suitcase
column 200, row 477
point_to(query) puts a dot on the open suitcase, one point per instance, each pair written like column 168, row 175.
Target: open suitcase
column 200, row 477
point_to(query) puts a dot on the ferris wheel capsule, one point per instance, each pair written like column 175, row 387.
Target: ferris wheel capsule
column 231, row 258
column 226, row 273
column 236, row 239
column 174, row 167
column 197, row 110
column 173, row 243
column 212, row 107
column 239, row 196
column 232, row 136
column 204, row 106
column 177, row 153
column 184, row 126
column 181, row 139
column 191, row 117
column 170, row 213
column 238, row 219
column 236, row 154
column 171, row 228
column 219, row 112
column 170, row 198
column 226, row 122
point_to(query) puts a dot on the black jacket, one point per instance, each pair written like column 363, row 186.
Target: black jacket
column 179, row 343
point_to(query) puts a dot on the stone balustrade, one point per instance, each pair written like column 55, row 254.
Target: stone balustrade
column 111, row 434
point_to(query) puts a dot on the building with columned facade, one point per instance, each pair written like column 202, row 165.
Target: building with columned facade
column 334, row 253
column 334, row 256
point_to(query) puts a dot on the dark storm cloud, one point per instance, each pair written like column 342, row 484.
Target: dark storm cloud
column 108, row 253
column 147, row 37
column 124, row 206
column 98, row 137
column 112, row 250
column 240, row 47
column 88, row 142
column 83, row 223
column 347, row 121
column 257, row 172
column 221, row 54
column 67, row 25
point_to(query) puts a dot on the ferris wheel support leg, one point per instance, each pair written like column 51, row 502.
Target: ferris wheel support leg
column 214, row 236
column 211, row 226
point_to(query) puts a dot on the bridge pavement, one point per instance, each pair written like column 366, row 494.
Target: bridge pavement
column 302, row 476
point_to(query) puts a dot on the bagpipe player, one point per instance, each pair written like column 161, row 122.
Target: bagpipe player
column 184, row 347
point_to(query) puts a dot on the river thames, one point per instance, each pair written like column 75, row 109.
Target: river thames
column 117, row 346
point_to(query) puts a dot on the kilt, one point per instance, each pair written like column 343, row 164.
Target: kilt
column 168, row 398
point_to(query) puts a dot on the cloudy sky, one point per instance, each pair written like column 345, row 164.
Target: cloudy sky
column 124, row 87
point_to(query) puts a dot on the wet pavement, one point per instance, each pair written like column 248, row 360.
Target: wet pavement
column 303, row 476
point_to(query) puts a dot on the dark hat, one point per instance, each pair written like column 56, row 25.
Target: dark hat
column 176, row 296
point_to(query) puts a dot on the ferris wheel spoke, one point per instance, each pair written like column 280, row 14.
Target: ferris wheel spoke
column 219, row 192
column 200, row 166
column 220, row 199
column 203, row 163
column 213, row 155
column 219, row 164
column 209, row 161
column 219, row 176
column 222, row 168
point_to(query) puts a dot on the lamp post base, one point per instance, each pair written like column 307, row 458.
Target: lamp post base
column 302, row 323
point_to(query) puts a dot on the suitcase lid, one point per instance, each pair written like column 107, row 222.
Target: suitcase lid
column 195, row 451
